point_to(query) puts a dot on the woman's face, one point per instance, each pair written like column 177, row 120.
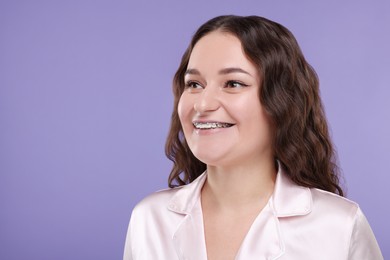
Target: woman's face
column 220, row 112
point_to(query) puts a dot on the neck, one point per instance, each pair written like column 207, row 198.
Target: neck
column 240, row 186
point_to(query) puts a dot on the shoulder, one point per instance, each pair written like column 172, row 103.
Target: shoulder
column 151, row 224
column 337, row 214
column 179, row 199
column 339, row 210
column 151, row 211
column 333, row 203
column 156, row 201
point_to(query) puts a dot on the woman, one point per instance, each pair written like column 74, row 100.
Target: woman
column 254, row 174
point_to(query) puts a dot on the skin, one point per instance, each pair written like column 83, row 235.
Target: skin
column 222, row 85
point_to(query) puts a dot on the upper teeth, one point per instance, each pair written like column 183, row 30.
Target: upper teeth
column 211, row 125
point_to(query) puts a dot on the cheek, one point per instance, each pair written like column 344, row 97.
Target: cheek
column 183, row 109
column 255, row 117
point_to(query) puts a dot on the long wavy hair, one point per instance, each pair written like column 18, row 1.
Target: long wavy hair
column 289, row 93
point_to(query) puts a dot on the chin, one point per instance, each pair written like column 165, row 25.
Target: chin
column 211, row 159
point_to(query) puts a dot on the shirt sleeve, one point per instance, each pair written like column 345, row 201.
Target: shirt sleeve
column 363, row 244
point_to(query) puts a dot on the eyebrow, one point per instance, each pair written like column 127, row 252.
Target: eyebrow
column 222, row 71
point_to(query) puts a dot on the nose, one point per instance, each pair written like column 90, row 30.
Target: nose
column 207, row 101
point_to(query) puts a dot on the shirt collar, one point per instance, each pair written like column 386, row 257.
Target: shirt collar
column 187, row 195
column 288, row 199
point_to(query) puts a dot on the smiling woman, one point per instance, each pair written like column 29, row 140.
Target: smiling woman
column 253, row 160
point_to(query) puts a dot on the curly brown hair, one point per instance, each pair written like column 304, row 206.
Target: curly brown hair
column 289, row 92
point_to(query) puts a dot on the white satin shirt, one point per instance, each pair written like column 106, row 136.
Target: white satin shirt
column 298, row 223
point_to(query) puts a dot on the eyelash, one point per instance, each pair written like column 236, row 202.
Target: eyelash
column 190, row 84
column 227, row 84
column 234, row 82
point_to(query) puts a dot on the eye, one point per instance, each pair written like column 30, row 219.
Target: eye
column 234, row 84
column 193, row 85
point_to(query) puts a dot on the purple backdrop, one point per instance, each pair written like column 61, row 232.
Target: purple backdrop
column 85, row 102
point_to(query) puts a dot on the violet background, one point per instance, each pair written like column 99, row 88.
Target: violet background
column 85, row 103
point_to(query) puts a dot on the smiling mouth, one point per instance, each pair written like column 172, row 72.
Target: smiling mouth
column 211, row 125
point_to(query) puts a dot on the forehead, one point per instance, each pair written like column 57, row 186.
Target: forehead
column 218, row 50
